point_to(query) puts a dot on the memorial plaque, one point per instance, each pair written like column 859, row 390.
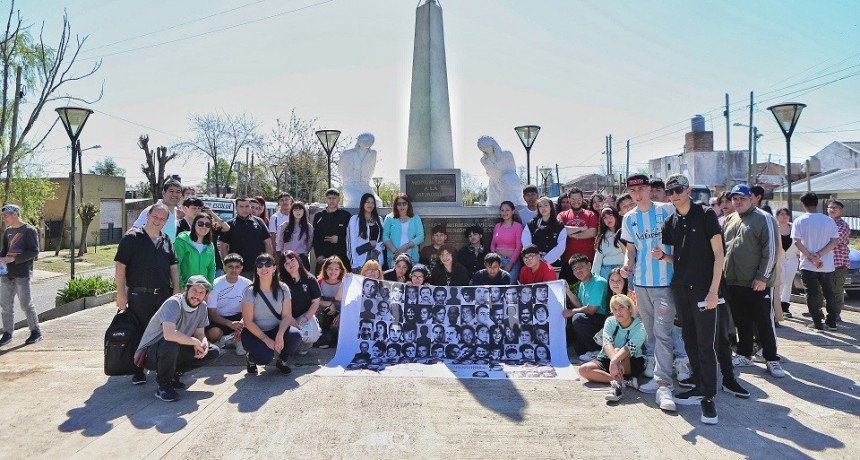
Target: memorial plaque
column 456, row 227
column 432, row 188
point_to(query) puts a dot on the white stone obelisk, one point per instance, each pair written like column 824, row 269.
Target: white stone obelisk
column 430, row 145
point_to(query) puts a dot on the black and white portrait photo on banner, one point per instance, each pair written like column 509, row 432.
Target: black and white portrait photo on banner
column 394, row 329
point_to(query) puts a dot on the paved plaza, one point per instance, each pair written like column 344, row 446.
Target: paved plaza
column 59, row 404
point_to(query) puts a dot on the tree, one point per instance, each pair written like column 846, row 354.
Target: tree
column 107, row 167
column 87, row 212
column 222, row 170
column 30, row 191
column 156, row 162
column 473, row 190
column 45, row 72
column 220, row 137
column 142, row 190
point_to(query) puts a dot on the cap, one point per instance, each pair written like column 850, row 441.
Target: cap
column 11, row 208
column 638, row 179
column 677, row 181
column 530, row 249
column 198, row 280
column 420, row 269
column 836, row 203
column 740, row 189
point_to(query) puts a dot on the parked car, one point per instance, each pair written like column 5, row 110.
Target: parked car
column 852, row 278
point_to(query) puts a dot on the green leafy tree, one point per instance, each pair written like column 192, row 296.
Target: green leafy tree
column 107, row 167
column 30, row 190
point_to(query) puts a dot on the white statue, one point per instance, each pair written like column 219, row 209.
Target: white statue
column 504, row 181
column 356, row 167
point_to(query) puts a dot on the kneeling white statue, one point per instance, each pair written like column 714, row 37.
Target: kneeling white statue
column 504, row 181
column 356, row 167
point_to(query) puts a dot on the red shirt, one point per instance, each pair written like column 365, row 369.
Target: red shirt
column 840, row 253
column 544, row 273
column 581, row 218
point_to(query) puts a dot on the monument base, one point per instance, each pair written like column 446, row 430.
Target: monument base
column 456, row 221
column 432, row 187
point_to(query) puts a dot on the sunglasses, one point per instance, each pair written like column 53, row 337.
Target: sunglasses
column 672, row 191
column 204, row 224
column 264, row 263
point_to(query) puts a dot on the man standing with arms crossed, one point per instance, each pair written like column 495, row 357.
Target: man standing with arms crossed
column 248, row 236
column 816, row 236
column 330, row 226
column 696, row 242
column 646, row 259
column 146, row 272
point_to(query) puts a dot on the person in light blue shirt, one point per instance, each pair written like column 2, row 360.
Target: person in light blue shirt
column 170, row 195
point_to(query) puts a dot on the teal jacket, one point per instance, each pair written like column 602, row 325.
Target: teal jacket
column 193, row 262
column 391, row 232
column 751, row 247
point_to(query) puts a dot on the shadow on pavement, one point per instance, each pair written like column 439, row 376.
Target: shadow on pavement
column 499, row 396
column 824, row 388
column 253, row 391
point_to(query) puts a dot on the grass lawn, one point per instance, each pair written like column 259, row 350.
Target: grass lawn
column 96, row 257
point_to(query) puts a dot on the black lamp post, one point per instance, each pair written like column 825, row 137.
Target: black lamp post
column 328, row 139
column 527, row 135
column 786, row 115
column 74, row 119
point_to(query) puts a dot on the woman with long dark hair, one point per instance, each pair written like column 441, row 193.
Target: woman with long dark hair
column 508, row 239
column 258, row 208
column 449, row 272
column 195, row 251
column 403, row 230
column 331, row 282
column 267, row 312
column 364, row 234
column 305, row 294
column 609, row 250
column 400, row 271
column 296, row 234
column 547, row 233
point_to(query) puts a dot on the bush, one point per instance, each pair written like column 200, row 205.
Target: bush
column 86, row 286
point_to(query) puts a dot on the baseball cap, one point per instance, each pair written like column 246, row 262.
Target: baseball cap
column 11, row 208
column 198, row 280
column 419, row 268
column 677, row 181
column 740, row 189
column 638, row 179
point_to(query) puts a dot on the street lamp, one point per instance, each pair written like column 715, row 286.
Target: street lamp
column 74, row 119
column 527, row 135
column 786, row 115
column 752, row 175
column 545, row 174
column 377, row 181
column 328, row 138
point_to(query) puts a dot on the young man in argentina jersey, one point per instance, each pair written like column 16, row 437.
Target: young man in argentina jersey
column 646, row 259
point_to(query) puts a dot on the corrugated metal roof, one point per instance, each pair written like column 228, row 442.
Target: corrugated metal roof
column 852, row 145
column 840, row 180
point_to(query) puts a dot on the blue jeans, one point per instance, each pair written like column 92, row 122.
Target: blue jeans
column 515, row 268
column 260, row 354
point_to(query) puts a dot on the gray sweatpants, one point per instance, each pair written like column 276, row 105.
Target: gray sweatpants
column 657, row 312
column 9, row 287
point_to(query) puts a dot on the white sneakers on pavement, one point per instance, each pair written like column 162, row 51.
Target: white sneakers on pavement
column 649, row 367
column 775, row 369
column 682, row 368
column 664, row 399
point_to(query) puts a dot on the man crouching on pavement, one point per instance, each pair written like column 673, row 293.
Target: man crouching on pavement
column 175, row 341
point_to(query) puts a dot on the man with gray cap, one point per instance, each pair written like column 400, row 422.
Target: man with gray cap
column 20, row 249
column 175, row 339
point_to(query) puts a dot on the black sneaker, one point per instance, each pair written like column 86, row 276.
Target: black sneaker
column 829, row 326
column 252, row 366
column 166, row 394
column 139, row 378
column 688, row 398
column 36, row 336
column 6, row 338
column 614, row 393
column 816, row 326
column 687, row 383
column 709, row 412
column 282, row 366
column 177, row 384
column 735, row 388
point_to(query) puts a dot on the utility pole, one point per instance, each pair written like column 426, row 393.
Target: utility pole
column 557, row 180
column 750, row 150
column 14, row 135
column 627, row 171
column 611, row 172
column 251, row 174
column 728, row 147
column 248, row 171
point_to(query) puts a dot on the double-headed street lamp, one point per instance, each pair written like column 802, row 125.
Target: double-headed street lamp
column 786, row 115
column 328, row 139
column 527, row 135
column 74, row 119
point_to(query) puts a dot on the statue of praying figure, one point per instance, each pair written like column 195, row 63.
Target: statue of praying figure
column 356, row 167
column 504, row 181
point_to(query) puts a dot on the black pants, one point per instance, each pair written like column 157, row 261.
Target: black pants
column 816, row 284
column 705, row 338
column 585, row 327
column 752, row 312
column 142, row 306
column 167, row 358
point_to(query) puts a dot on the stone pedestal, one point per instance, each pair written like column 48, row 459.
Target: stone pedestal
column 432, row 187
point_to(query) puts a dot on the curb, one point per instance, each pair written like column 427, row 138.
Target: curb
column 72, row 307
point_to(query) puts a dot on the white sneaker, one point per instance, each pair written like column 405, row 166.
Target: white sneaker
column 240, row 350
column 632, row 383
column 650, row 387
column 614, row 393
column 758, row 356
column 304, row 348
column 775, row 369
column 588, row 356
column 741, row 361
column 664, row 399
column 682, row 368
column 649, row 367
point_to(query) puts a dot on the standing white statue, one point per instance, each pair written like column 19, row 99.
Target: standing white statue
column 504, row 181
column 356, row 167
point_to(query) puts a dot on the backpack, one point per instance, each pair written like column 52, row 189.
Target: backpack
column 121, row 340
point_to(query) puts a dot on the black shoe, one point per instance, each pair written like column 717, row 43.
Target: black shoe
column 689, row 397
column 139, row 378
column 709, row 412
column 787, row 314
column 35, row 336
column 166, row 394
column 831, row 326
column 252, row 366
column 735, row 388
column 687, row 383
column 6, row 338
column 816, row 326
column 282, row 366
column 806, row 314
column 177, row 384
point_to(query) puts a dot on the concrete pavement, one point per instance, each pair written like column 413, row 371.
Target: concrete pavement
column 59, row 404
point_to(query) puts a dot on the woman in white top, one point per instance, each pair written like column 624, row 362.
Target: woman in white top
column 403, row 230
column 790, row 260
column 609, row 251
column 364, row 234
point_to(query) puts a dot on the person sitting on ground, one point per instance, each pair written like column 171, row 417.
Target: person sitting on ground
column 418, row 276
column 535, row 269
column 225, row 304
column 449, row 272
column 304, row 294
column 331, row 282
column 371, row 269
column 620, row 360
column 174, row 340
column 589, row 307
column 400, row 272
column 492, row 274
column 269, row 324
column 472, row 254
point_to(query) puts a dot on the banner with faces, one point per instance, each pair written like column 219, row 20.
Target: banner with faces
column 396, row 329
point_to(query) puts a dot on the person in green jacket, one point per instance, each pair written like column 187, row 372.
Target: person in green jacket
column 195, row 251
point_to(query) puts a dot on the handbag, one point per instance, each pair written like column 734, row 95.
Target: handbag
column 271, row 308
column 311, row 330
column 365, row 248
column 121, row 340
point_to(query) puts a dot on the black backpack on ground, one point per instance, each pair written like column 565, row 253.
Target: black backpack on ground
column 121, row 340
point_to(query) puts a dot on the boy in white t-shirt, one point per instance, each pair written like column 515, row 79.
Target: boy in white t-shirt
column 225, row 303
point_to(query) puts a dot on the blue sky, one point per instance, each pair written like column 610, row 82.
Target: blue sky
column 581, row 70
